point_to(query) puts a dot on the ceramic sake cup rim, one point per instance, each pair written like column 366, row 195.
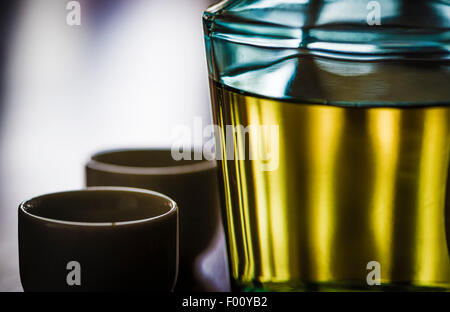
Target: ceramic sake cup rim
column 26, row 205
column 172, row 166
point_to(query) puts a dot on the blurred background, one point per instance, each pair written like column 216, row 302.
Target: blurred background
column 124, row 78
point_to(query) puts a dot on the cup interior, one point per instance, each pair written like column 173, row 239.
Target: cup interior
column 151, row 158
column 100, row 205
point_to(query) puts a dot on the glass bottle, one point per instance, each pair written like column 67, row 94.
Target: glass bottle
column 334, row 125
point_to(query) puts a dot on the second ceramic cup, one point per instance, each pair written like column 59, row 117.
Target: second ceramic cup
column 191, row 183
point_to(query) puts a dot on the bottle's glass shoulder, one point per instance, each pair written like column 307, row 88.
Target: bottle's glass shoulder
column 331, row 51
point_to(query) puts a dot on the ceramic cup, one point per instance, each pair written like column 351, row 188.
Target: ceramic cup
column 192, row 184
column 99, row 239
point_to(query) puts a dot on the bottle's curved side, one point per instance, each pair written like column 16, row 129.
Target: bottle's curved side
column 357, row 172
